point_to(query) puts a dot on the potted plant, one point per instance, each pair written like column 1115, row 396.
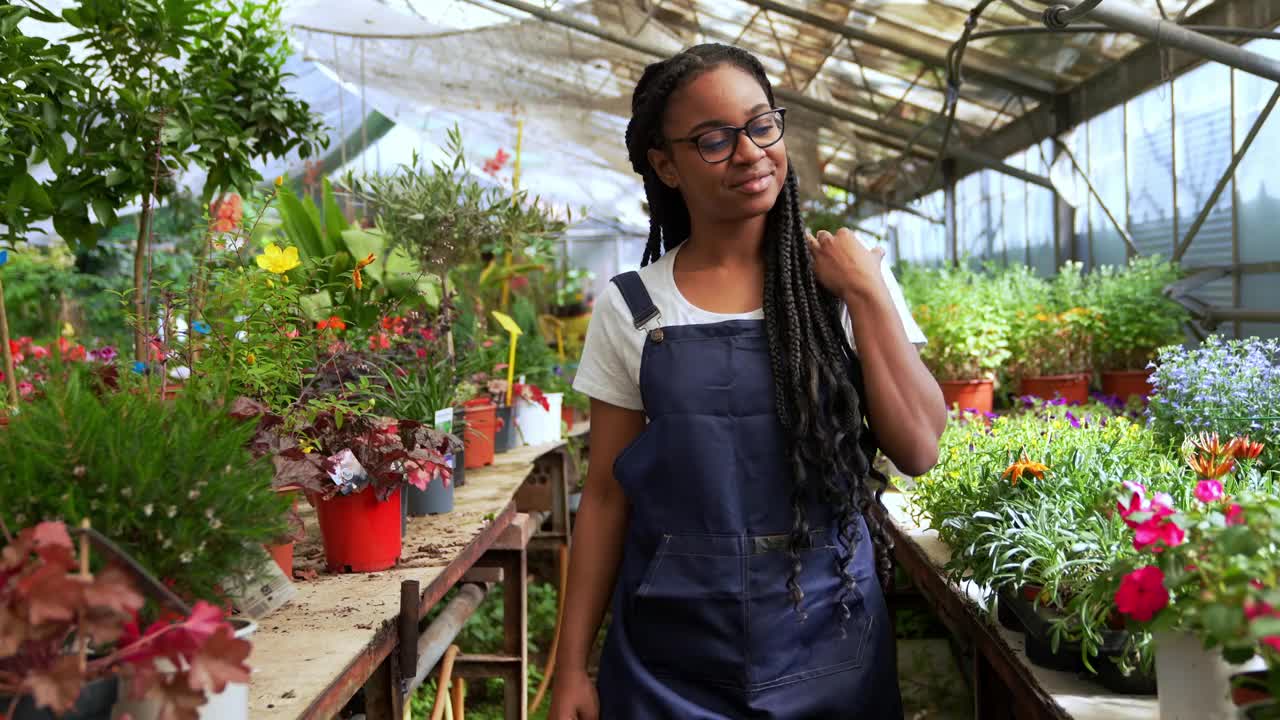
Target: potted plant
column 1053, row 334
column 1226, row 386
column 1208, row 575
column 71, row 633
column 1135, row 320
column 965, row 318
column 353, row 466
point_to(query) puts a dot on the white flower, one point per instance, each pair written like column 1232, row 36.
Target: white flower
column 242, row 336
column 186, row 557
column 193, row 494
column 168, row 543
column 208, row 512
column 172, row 511
column 215, row 523
column 241, row 318
column 126, row 491
column 182, row 372
column 148, row 509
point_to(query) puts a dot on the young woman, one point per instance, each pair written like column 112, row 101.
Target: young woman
column 724, row 505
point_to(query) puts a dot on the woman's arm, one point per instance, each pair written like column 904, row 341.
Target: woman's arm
column 901, row 392
column 597, row 536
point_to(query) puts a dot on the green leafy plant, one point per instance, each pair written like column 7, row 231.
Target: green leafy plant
column 171, row 481
column 965, row 316
column 1053, row 323
column 1136, row 317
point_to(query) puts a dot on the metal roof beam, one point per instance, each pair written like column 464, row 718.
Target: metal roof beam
column 1120, row 82
column 929, row 51
column 900, row 131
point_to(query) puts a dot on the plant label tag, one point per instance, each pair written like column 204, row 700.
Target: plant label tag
column 444, row 420
column 347, row 473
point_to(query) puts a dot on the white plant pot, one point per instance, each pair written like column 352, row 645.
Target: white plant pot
column 1194, row 683
column 536, row 426
column 230, row 704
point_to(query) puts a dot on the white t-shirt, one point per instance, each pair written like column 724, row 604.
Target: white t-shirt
column 610, row 365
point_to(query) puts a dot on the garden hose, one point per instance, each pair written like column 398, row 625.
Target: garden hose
column 442, row 685
column 550, row 670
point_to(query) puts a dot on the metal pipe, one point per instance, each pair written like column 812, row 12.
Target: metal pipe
column 433, row 643
column 1023, row 84
column 1226, row 176
column 1124, row 16
column 1214, row 30
column 790, row 97
column 1215, row 315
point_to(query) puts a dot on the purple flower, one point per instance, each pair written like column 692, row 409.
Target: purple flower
column 1075, row 423
column 104, row 354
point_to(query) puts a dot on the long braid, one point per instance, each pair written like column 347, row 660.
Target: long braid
column 817, row 377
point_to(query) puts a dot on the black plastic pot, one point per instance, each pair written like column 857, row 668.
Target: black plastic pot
column 1038, row 639
column 1005, row 614
column 95, row 703
column 505, row 440
column 460, row 468
column 1108, row 675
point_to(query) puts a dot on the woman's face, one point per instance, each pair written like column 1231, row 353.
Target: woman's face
column 744, row 186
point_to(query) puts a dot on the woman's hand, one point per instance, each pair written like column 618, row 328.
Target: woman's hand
column 846, row 267
column 574, row 697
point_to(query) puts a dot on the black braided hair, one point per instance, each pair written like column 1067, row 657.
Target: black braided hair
column 817, row 377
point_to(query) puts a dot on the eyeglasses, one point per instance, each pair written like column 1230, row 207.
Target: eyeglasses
column 718, row 144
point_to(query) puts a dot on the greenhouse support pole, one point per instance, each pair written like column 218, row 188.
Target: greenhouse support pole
column 953, row 231
column 1125, row 16
column 1226, row 176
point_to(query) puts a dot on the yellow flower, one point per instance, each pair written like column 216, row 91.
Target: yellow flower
column 68, row 330
column 279, row 180
column 251, row 358
column 1024, row 465
column 356, row 278
column 278, row 261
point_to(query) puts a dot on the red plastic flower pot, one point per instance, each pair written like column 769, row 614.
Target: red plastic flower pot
column 479, row 434
column 1126, row 383
column 283, row 555
column 1073, row 388
column 566, row 416
column 968, row 394
column 360, row 533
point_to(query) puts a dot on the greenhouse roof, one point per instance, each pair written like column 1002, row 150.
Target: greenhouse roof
column 865, row 80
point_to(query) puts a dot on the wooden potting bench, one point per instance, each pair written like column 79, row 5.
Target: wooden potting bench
column 344, row 633
column 1007, row 686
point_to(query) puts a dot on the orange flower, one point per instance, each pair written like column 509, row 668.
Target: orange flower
column 1024, row 465
column 333, row 323
column 1209, row 444
column 1208, row 467
column 1242, row 448
column 360, row 265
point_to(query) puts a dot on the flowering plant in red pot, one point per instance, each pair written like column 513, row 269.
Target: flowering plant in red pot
column 1209, row 561
column 64, row 628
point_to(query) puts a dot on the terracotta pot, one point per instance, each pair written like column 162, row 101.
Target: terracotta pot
column 283, row 555
column 1073, row 388
column 1126, row 383
column 479, row 432
column 968, row 394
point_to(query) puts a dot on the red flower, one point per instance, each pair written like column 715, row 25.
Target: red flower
column 1235, row 514
column 1142, row 593
column 379, row 341
column 1156, row 530
column 422, row 353
column 1256, row 609
column 1209, row 491
column 519, row 282
column 39, row 352
column 393, row 324
column 428, row 334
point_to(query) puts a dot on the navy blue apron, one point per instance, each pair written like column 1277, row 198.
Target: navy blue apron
column 703, row 626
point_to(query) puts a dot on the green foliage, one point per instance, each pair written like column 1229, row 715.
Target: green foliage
column 43, row 289
column 1053, row 322
column 40, row 91
column 965, row 316
column 171, row 481
column 1137, row 319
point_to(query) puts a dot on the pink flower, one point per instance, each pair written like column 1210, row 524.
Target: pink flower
column 1272, row 641
column 1235, row 514
column 422, row 352
column 1257, row 608
column 1142, row 593
column 1155, row 530
column 1159, row 506
column 38, row 352
column 25, row 388
column 1208, row 491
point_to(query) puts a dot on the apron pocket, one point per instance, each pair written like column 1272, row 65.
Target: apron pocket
column 782, row 647
column 688, row 616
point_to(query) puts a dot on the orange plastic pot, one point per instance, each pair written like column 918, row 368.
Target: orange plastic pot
column 283, row 555
column 968, row 394
column 480, row 431
column 1073, row 388
column 566, row 416
column 361, row 534
column 1126, row 383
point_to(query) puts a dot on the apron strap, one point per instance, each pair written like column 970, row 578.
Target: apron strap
column 643, row 311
